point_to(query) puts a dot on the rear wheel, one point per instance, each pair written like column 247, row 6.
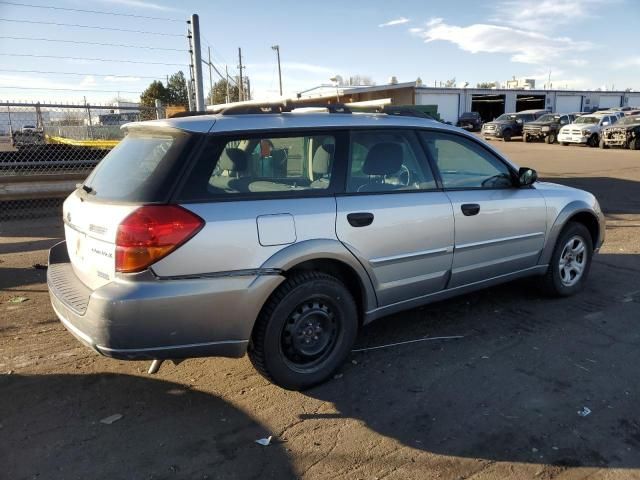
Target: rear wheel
column 550, row 139
column 570, row 262
column 305, row 331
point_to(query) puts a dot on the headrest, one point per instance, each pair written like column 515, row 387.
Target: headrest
column 233, row 159
column 383, row 159
column 322, row 159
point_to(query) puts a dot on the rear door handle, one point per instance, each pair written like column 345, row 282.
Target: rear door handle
column 470, row 209
column 360, row 219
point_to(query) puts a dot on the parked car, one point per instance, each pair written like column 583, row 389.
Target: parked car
column 616, row 112
column 546, row 127
column 471, row 121
column 625, row 133
column 282, row 234
column 586, row 129
column 509, row 125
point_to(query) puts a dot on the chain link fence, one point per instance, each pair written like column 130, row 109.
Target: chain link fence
column 47, row 148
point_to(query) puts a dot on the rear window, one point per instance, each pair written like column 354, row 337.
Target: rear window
column 139, row 168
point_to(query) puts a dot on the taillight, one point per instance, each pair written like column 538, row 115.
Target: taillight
column 151, row 233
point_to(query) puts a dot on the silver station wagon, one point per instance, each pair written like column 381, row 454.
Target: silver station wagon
column 281, row 233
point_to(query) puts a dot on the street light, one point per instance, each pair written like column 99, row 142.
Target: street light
column 277, row 49
column 335, row 79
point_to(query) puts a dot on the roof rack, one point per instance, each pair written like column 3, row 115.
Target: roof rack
column 281, row 107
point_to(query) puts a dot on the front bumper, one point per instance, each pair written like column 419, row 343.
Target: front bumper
column 571, row 138
column 491, row 133
column 149, row 318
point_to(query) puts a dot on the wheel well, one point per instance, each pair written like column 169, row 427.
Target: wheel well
column 591, row 222
column 343, row 272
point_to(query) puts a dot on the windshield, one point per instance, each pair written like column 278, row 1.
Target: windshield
column 629, row 120
column 587, row 119
column 506, row 116
column 468, row 115
column 137, row 168
column 549, row 118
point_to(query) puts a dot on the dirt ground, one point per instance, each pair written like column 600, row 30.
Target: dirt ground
column 501, row 402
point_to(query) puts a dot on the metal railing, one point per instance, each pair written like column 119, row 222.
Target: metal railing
column 47, row 148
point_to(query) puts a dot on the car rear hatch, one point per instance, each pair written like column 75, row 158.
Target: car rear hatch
column 140, row 170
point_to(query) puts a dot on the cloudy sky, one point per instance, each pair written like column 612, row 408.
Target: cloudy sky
column 581, row 43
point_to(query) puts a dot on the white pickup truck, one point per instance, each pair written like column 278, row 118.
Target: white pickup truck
column 586, row 129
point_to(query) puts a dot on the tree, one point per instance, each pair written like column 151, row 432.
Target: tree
column 218, row 93
column 177, row 90
column 155, row 91
column 450, row 83
column 486, row 85
column 354, row 80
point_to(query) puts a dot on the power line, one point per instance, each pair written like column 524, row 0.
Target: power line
column 32, row 5
column 81, row 74
column 114, row 60
column 68, row 89
column 218, row 71
column 93, row 43
column 77, row 25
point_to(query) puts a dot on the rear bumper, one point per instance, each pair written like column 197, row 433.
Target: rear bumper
column 150, row 318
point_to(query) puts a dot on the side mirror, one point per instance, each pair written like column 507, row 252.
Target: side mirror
column 526, row 176
column 604, row 124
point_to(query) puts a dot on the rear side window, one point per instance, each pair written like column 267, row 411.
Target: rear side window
column 268, row 164
column 139, row 168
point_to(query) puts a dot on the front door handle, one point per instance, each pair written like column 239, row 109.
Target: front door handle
column 360, row 219
column 470, row 209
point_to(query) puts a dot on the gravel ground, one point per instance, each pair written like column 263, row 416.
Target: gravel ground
column 501, row 402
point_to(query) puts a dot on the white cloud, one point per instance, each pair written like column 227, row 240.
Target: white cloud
column 524, row 46
column 397, row 21
column 121, row 79
column 632, row 62
column 142, row 4
column 415, row 30
column 434, row 21
column 545, row 14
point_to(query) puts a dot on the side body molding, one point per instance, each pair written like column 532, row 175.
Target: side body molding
column 568, row 211
column 321, row 249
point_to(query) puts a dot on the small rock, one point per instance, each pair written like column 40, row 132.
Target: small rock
column 17, row 299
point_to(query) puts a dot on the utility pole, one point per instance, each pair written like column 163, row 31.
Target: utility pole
column 240, row 67
column 226, row 72
column 277, row 49
column 197, row 62
column 210, row 77
column 190, row 83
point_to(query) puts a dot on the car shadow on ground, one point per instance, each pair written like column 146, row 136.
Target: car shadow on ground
column 616, row 195
column 516, row 386
column 51, row 429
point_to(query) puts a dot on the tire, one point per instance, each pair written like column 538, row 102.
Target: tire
column 287, row 348
column 550, row 139
column 559, row 281
column 634, row 144
column 525, row 137
column 593, row 140
column 602, row 144
column 506, row 136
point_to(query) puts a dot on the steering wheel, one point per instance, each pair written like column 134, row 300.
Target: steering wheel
column 403, row 176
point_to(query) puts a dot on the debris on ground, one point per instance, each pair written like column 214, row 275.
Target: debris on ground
column 584, row 412
column 265, row 442
column 111, row 419
column 18, row 299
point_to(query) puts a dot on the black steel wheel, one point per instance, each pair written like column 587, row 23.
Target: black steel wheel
column 305, row 330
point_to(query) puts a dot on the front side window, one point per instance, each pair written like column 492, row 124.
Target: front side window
column 268, row 164
column 465, row 164
column 382, row 161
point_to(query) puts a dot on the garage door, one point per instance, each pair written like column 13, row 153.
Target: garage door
column 607, row 101
column 568, row 103
column 634, row 101
column 447, row 104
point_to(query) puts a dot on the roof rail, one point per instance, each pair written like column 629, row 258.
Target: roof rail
column 280, row 107
column 188, row 114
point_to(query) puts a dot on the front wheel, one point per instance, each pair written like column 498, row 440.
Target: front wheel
column 305, row 331
column 506, row 136
column 570, row 263
column 634, row 144
column 564, row 144
column 525, row 137
column 602, row 144
column 593, row 141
